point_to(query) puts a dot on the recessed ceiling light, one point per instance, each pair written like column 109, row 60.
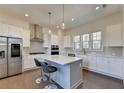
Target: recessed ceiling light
column 26, row 15
column 97, row 8
column 72, row 19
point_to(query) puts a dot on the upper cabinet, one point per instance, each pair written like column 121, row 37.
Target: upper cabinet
column 113, row 35
column 13, row 31
column 26, row 38
column 54, row 39
column 46, row 38
column 67, row 41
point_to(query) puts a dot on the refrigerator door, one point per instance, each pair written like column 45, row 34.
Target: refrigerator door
column 14, row 56
column 3, row 57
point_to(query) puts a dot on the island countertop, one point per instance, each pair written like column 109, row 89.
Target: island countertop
column 59, row 59
column 69, row 73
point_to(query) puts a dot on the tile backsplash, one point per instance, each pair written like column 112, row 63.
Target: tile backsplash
column 107, row 51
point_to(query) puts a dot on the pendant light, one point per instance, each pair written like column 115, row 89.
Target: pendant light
column 63, row 24
column 49, row 13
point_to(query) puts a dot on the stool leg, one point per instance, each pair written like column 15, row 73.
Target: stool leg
column 51, row 85
column 43, row 78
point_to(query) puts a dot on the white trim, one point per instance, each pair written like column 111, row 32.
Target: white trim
column 32, row 68
column 77, row 84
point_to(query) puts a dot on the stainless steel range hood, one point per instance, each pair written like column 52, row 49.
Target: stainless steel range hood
column 36, row 38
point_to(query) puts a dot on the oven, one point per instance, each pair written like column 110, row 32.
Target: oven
column 54, row 50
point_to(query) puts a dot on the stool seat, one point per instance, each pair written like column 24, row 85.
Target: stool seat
column 42, row 78
column 51, row 69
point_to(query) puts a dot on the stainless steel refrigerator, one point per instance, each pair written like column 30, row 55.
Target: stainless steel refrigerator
column 10, row 56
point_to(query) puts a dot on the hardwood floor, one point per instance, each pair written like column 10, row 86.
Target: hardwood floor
column 91, row 81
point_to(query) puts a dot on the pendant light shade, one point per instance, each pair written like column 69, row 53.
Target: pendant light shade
column 63, row 23
column 49, row 13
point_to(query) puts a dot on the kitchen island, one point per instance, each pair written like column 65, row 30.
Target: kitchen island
column 69, row 74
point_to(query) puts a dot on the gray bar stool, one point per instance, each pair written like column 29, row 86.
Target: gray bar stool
column 43, row 78
column 49, row 69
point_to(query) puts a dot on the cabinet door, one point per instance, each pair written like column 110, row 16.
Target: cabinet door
column 46, row 40
column 113, row 35
column 54, row 39
column 102, row 64
column 92, row 62
column 67, row 41
column 115, row 66
column 26, row 62
column 26, row 37
column 3, row 29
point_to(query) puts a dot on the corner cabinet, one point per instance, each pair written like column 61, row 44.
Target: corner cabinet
column 113, row 35
column 67, row 41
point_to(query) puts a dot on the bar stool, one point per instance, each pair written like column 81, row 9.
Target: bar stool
column 43, row 78
column 49, row 69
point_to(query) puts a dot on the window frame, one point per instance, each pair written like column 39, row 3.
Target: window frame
column 77, row 42
column 101, row 41
column 85, row 41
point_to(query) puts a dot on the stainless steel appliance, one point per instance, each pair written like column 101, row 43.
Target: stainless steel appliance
column 10, row 56
column 54, row 50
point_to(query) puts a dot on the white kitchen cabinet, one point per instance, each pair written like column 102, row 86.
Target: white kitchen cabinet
column 102, row 64
column 46, row 40
column 54, row 39
column 26, row 38
column 113, row 35
column 3, row 30
column 115, row 66
column 67, row 41
column 110, row 66
column 13, row 31
column 28, row 61
column 92, row 62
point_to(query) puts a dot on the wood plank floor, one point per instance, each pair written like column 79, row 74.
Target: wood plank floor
column 91, row 81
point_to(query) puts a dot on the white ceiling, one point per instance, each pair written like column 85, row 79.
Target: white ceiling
column 38, row 14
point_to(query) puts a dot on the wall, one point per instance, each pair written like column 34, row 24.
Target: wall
column 98, row 25
column 37, row 47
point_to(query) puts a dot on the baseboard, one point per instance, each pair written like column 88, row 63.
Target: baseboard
column 77, row 84
column 29, row 69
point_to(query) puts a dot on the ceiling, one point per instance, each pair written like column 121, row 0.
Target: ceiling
column 38, row 13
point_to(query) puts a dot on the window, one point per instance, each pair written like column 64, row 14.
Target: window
column 96, row 40
column 85, row 39
column 76, row 41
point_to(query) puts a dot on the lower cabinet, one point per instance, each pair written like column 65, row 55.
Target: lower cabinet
column 110, row 66
column 92, row 62
column 28, row 62
column 115, row 66
column 102, row 64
